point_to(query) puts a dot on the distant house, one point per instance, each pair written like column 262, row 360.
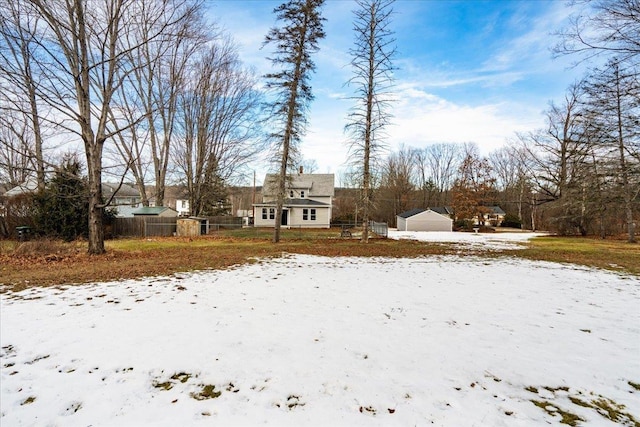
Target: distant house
column 308, row 201
column 424, row 220
column 175, row 196
column 155, row 211
column 493, row 217
column 124, row 198
column 29, row 186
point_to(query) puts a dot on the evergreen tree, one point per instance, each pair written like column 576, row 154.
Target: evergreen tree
column 294, row 43
column 61, row 210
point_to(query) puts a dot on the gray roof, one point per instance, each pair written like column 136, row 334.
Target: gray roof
column 497, row 210
column 442, row 210
column 125, row 190
column 295, row 202
column 410, row 213
column 318, row 184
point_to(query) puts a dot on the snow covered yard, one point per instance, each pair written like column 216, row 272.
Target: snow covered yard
column 304, row 340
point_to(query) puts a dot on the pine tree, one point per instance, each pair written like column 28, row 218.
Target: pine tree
column 62, row 208
column 294, row 43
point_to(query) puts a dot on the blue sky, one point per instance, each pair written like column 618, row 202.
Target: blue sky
column 468, row 71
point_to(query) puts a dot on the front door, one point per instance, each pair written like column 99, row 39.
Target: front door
column 285, row 215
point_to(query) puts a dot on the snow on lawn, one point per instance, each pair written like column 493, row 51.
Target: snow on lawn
column 305, row 340
column 481, row 241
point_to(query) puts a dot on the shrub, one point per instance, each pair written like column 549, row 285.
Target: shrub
column 511, row 221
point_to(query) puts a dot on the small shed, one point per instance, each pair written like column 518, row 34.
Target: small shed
column 192, row 226
column 423, row 220
column 156, row 211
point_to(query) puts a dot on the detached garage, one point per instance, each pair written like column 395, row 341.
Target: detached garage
column 423, row 220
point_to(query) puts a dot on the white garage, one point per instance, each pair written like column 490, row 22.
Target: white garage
column 423, row 220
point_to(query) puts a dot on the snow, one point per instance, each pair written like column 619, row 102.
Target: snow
column 473, row 241
column 308, row 340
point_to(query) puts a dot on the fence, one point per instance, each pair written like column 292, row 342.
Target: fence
column 143, row 227
column 380, row 228
column 162, row 227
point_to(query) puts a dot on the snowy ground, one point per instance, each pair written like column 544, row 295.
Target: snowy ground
column 304, row 340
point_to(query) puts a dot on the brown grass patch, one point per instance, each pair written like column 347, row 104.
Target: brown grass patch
column 135, row 258
column 49, row 263
column 609, row 254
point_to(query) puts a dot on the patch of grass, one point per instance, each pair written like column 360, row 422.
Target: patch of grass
column 609, row 254
column 167, row 385
column 208, row 392
column 26, row 265
column 182, row 377
column 634, row 385
column 531, row 389
column 614, row 411
column 567, row 417
column 135, row 258
column 28, row 400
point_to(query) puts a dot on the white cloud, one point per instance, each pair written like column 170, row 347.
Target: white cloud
column 422, row 118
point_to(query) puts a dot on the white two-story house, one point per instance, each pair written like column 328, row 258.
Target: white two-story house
column 308, row 201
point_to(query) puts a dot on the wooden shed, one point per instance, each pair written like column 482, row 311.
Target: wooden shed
column 423, row 220
column 192, row 226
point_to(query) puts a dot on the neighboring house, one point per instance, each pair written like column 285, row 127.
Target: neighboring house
column 155, row 211
column 125, row 198
column 493, row 216
column 308, row 202
column 424, row 220
column 122, row 197
column 175, row 196
column 29, row 186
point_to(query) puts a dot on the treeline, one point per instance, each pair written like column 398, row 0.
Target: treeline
column 580, row 174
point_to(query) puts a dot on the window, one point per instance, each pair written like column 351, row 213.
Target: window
column 291, row 193
column 264, row 213
column 272, row 213
column 313, row 214
column 302, row 194
column 305, row 214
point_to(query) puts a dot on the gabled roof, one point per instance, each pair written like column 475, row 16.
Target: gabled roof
column 410, row 213
column 496, row 210
column 29, row 186
column 442, row 210
column 318, row 184
column 125, row 190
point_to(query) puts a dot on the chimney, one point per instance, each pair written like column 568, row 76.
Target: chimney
column 301, row 169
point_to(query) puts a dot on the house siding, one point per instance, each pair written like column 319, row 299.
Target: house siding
column 425, row 221
column 312, row 191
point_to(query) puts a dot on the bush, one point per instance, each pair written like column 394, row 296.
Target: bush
column 62, row 209
column 511, row 221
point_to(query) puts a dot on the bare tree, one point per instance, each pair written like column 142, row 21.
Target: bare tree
column 557, row 157
column 19, row 75
column 85, row 48
column 16, row 147
column 218, row 109
column 372, row 66
column 153, row 88
column 293, row 43
column 614, row 108
column 509, row 167
column 605, row 27
column 439, row 167
column 398, row 184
